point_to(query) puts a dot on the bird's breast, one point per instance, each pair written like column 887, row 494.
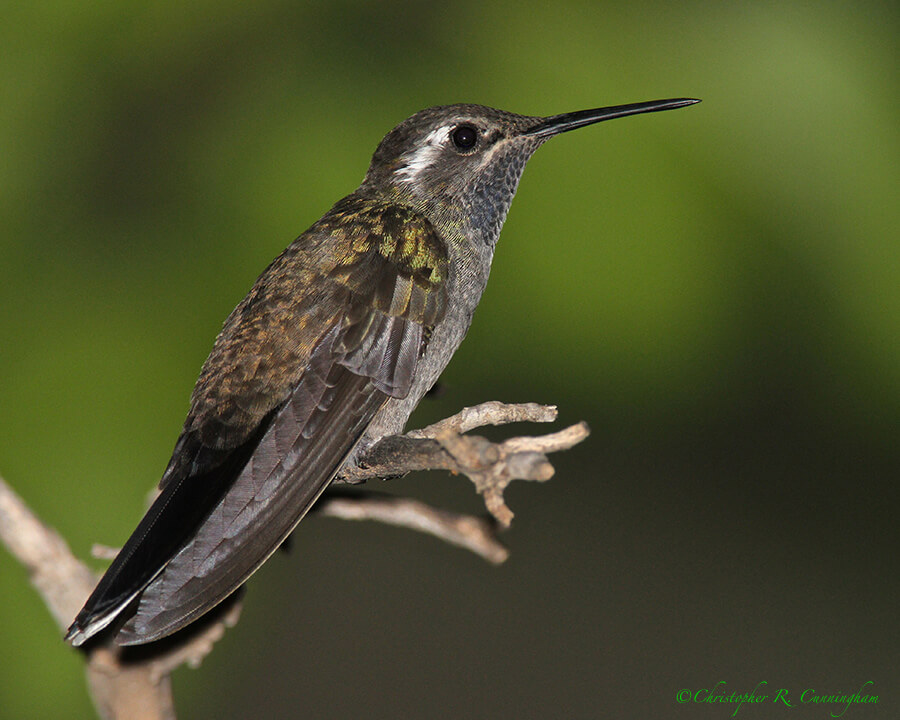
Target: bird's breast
column 465, row 285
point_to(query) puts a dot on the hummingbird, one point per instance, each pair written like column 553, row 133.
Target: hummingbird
column 333, row 347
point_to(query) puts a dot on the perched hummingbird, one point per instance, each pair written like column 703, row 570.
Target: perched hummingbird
column 330, row 351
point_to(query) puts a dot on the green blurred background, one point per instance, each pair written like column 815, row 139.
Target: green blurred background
column 715, row 290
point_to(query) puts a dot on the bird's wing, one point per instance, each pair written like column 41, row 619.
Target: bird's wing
column 299, row 370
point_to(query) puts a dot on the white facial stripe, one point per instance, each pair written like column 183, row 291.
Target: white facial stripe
column 425, row 155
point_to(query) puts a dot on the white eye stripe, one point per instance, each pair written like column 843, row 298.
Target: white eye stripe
column 424, row 155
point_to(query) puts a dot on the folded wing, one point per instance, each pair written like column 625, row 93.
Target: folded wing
column 297, row 374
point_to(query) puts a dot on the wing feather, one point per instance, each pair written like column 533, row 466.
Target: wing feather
column 256, row 452
column 270, row 496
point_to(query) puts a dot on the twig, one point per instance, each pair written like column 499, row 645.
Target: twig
column 465, row 531
column 490, row 466
column 60, row 578
column 488, row 413
column 120, row 688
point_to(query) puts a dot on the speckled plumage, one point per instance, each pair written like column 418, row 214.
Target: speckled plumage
column 332, row 348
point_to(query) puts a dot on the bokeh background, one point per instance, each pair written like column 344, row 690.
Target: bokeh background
column 716, row 290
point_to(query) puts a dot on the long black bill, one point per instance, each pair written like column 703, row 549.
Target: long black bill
column 556, row 124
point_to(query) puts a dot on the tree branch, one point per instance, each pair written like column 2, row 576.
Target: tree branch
column 119, row 688
column 490, row 466
column 471, row 533
column 134, row 683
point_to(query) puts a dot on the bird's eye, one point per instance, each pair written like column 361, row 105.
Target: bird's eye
column 464, row 137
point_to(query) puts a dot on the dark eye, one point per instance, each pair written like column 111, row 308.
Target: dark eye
column 464, row 137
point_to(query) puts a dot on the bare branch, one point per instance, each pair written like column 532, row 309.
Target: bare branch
column 61, row 579
column 471, row 533
column 120, row 688
column 488, row 413
column 490, row 466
